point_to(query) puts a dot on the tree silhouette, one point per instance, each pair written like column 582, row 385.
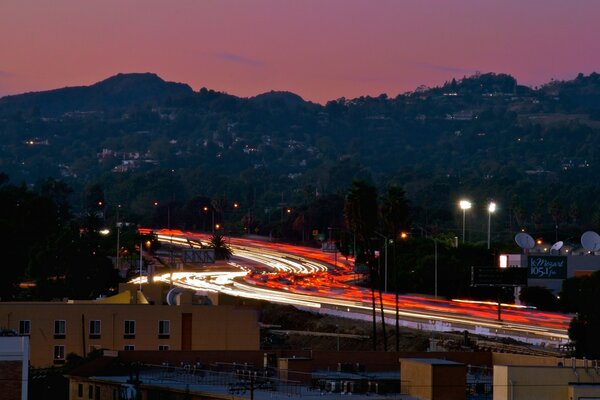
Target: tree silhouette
column 222, row 249
column 361, row 214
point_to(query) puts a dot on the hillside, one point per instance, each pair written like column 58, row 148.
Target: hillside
column 143, row 139
column 116, row 92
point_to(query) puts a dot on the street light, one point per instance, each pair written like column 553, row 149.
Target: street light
column 205, row 208
column 464, row 205
column 385, row 261
column 491, row 209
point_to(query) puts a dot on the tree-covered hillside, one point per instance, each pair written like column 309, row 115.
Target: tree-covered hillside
column 144, row 140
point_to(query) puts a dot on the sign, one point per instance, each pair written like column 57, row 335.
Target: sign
column 493, row 276
column 547, row 267
column 198, row 256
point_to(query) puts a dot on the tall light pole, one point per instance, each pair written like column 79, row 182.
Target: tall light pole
column 118, row 236
column 464, row 205
column 385, row 261
column 436, row 267
column 491, row 209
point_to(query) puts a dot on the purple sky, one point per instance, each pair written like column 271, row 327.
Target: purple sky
column 320, row 49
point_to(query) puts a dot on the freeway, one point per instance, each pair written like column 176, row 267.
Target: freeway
column 313, row 279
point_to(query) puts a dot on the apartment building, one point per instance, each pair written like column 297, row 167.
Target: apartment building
column 56, row 329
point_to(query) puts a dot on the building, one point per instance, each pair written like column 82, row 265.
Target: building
column 549, row 269
column 433, row 379
column 56, row 329
column 558, row 382
column 14, row 370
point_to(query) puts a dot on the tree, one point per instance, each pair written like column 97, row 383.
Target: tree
column 580, row 295
column 361, row 214
column 222, row 249
column 395, row 212
column 539, row 297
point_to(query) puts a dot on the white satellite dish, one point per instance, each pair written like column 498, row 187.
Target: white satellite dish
column 590, row 241
column 524, row 240
column 557, row 246
column 173, row 296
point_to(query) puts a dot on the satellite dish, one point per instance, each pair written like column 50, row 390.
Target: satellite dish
column 557, row 246
column 524, row 240
column 590, row 241
column 173, row 296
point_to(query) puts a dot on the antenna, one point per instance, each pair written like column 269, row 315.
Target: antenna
column 590, row 241
column 524, row 241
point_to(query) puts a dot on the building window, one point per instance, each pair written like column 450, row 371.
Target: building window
column 59, row 354
column 163, row 347
column 164, row 329
column 97, row 392
column 129, row 347
column 90, row 392
column 60, row 328
column 24, row 327
column 95, row 329
column 80, row 390
column 115, row 394
column 129, row 329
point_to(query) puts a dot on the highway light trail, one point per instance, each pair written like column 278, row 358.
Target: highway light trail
column 307, row 277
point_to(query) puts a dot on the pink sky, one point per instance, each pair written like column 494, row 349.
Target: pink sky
column 319, row 49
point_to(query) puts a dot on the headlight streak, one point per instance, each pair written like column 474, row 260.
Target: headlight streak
column 328, row 290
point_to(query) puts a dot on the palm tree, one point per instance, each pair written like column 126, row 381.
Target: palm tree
column 361, row 214
column 395, row 212
column 222, row 249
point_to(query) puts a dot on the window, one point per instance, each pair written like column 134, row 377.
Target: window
column 60, row 328
column 59, row 354
column 129, row 329
column 164, row 329
column 97, row 392
column 129, row 347
column 95, row 329
column 80, row 390
column 90, row 392
column 163, row 347
column 24, row 327
column 115, row 394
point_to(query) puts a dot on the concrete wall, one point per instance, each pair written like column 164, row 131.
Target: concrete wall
column 213, row 327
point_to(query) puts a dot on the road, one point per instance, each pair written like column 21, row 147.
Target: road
column 309, row 278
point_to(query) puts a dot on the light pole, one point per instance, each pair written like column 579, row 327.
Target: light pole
column 435, row 267
column 205, row 208
column 491, row 209
column 118, row 236
column 385, row 263
column 464, row 205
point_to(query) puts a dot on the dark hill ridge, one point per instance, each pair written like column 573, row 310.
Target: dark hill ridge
column 122, row 90
column 278, row 98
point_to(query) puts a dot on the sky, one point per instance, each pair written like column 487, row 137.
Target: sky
column 319, row 49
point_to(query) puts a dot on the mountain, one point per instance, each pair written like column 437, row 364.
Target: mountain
column 275, row 98
column 119, row 91
column 483, row 135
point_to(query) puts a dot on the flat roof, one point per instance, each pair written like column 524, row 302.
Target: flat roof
column 431, row 361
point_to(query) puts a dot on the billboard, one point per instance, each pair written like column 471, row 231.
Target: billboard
column 500, row 277
column 547, row 267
